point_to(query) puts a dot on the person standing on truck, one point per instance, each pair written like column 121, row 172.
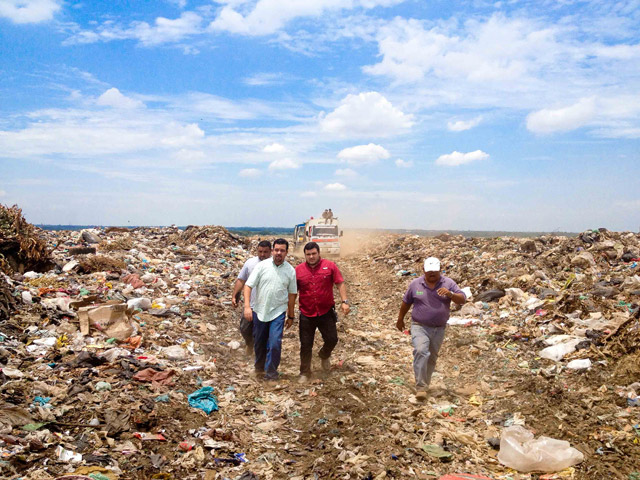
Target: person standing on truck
column 316, row 278
column 246, row 328
column 431, row 297
column 274, row 280
column 330, row 216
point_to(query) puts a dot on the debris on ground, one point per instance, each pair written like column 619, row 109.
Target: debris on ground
column 125, row 363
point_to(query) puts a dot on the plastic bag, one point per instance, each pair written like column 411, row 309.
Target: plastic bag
column 520, row 451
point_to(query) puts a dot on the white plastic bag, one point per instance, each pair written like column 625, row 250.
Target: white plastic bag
column 520, row 451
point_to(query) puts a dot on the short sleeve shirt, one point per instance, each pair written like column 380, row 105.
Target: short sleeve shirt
column 273, row 284
column 246, row 270
column 315, row 287
column 429, row 308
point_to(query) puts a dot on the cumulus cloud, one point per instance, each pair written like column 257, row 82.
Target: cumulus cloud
column 345, row 172
column 29, row 11
column 404, row 163
column 562, row 119
column 269, row 16
column 113, row 98
column 363, row 154
column 164, row 30
column 493, row 49
column 458, row 158
column 250, row 172
column 462, row 125
column 274, row 148
column 366, row 114
column 284, row 164
column 335, row 187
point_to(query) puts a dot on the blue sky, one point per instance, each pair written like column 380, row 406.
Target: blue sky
column 513, row 115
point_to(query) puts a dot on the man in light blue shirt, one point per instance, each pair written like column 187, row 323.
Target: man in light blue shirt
column 274, row 281
column 246, row 328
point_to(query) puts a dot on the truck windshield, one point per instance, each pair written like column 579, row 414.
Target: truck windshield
column 331, row 230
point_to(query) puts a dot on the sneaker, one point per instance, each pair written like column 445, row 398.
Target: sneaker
column 303, row 379
column 421, row 395
column 271, row 382
column 326, row 364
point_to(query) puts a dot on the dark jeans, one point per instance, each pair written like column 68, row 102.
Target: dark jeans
column 246, row 330
column 268, row 345
column 327, row 325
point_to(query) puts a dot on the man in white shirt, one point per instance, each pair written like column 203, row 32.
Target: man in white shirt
column 274, row 281
column 246, row 328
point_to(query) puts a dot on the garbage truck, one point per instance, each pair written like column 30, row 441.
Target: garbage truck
column 325, row 232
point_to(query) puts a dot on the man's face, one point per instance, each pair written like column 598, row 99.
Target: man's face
column 432, row 277
column 279, row 253
column 312, row 256
column 264, row 253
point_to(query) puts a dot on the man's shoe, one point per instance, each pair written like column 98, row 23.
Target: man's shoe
column 271, row 382
column 421, row 395
column 303, row 379
column 326, row 364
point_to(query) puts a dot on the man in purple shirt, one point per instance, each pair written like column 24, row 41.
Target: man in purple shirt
column 431, row 297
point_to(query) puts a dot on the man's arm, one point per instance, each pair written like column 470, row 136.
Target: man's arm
column 342, row 290
column 237, row 288
column 457, row 297
column 291, row 305
column 404, row 308
column 248, row 313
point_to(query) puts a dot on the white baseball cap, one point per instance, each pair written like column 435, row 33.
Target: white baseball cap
column 432, row 264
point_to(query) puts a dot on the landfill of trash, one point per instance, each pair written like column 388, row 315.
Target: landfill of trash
column 120, row 358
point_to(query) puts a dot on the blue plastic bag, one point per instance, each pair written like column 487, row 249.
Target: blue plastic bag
column 204, row 399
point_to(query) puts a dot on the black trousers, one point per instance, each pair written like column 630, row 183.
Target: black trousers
column 327, row 325
column 246, row 330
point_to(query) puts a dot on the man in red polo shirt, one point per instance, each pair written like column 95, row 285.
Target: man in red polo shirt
column 316, row 278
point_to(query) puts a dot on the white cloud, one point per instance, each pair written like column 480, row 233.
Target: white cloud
column 309, row 194
column 269, row 16
column 458, row 158
column 182, row 135
column 274, row 148
column 363, row 154
column 3, row 193
column 495, row 49
column 263, row 79
column 335, row 187
column 462, row 125
column 404, row 163
column 284, row 164
column 562, row 119
column 29, row 11
column 346, row 172
column 164, row 30
column 366, row 114
column 113, row 98
column 250, row 172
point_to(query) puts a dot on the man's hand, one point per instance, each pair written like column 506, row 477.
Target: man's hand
column 248, row 314
column 288, row 322
column 443, row 292
column 400, row 324
column 234, row 301
column 345, row 308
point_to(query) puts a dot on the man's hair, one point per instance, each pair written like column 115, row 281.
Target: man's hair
column 311, row 246
column 265, row 243
column 280, row 241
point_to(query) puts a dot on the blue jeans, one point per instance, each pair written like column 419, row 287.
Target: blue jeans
column 267, row 345
column 426, row 345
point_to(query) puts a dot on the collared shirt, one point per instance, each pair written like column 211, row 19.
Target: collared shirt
column 315, row 285
column 246, row 270
column 429, row 308
column 273, row 284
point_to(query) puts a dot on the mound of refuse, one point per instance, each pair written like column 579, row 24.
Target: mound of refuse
column 22, row 247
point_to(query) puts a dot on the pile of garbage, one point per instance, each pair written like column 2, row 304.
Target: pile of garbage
column 566, row 293
column 123, row 360
column 21, row 245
